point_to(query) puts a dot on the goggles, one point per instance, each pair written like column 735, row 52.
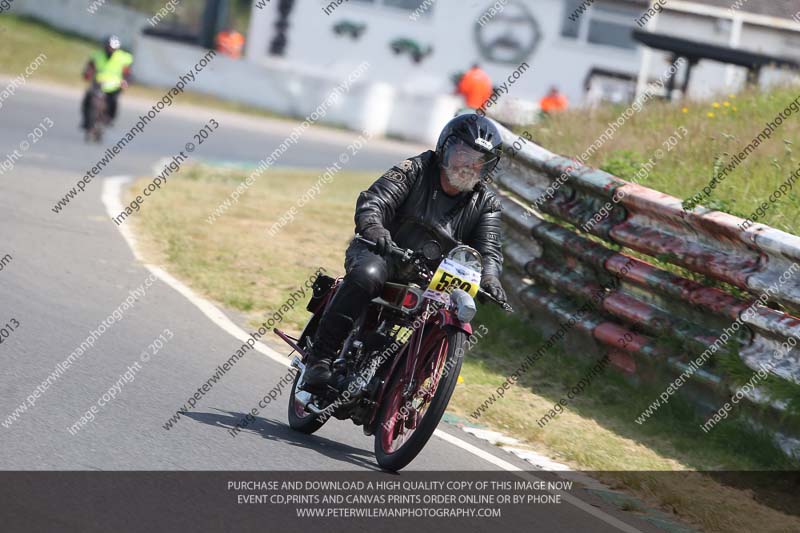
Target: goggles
column 459, row 154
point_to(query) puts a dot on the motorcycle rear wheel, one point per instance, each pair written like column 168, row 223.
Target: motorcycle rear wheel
column 299, row 419
column 389, row 455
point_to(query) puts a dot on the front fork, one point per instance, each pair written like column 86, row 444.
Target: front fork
column 449, row 318
column 444, row 318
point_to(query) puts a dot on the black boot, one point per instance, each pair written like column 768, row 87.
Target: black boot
column 332, row 332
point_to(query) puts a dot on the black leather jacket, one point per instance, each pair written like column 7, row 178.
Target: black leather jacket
column 408, row 201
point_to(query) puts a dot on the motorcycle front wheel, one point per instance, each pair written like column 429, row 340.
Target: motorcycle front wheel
column 406, row 423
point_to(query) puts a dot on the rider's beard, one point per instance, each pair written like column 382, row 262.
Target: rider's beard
column 463, row 179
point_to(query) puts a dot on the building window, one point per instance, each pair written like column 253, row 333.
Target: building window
column 408, row 5
column 570, row 27
column 423, row 7
column 604, row 24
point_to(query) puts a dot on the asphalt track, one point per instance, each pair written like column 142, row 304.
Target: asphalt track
column 71, row 270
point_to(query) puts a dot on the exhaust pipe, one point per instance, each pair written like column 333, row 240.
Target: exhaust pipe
column 313, row 409
column 302, row 396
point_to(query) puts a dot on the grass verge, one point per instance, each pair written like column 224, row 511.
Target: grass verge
column 716, row 130
column 236, row 263
column 24, row 39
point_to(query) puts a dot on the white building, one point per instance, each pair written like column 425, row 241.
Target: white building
column 563, row 43
column 769, row 27
column 414, row 48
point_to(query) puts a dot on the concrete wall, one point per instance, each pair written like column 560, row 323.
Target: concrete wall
column 451, row 29
column 73, row 16
column 289, row 89
column 769, row 41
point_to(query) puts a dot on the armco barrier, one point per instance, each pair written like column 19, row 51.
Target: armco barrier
column 652, row 322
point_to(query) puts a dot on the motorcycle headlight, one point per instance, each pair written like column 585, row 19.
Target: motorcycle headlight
column 463, row 304
column 467, row 257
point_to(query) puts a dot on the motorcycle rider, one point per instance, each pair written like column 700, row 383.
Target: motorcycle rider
column 438, row 195
column 110, row 68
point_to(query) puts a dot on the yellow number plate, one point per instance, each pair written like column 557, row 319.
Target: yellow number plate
column 451, row 275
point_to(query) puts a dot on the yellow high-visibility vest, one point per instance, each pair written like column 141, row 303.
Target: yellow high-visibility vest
column 108, row 70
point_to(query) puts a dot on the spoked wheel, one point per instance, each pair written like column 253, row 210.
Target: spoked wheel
column 94, row 133
column 97, row 119
column 299, row 419
column 97, row 134
column 408, row 418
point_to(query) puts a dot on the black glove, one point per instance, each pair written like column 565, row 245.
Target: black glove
column 492, row 285
column 381, row 237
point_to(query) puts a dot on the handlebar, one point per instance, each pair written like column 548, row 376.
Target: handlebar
column 400, row 253
column 405, row 256
column 503, row 305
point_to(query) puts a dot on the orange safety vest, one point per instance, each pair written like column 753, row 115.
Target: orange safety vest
column 230, row 43
column 476, row 86
column 554, row 104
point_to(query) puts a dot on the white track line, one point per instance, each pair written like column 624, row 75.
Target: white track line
column 111, row 197
column 505, row 465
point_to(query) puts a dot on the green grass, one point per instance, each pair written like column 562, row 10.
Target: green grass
column 688, row 166
column 24, row 39
column 610, row 401
column 716, row 130
column 236, row 263
column 67, row 54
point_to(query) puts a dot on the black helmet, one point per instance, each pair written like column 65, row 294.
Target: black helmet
column 112, row 42
column 475, row 132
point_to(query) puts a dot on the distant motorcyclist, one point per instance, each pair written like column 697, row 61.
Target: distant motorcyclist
column 110, row 69
column 437, row 195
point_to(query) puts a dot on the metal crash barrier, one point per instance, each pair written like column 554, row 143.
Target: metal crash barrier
column 665, row 286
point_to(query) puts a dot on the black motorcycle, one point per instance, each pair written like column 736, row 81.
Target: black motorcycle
column 98, row 114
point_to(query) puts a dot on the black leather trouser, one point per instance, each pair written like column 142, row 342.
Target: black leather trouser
column 366, row 273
